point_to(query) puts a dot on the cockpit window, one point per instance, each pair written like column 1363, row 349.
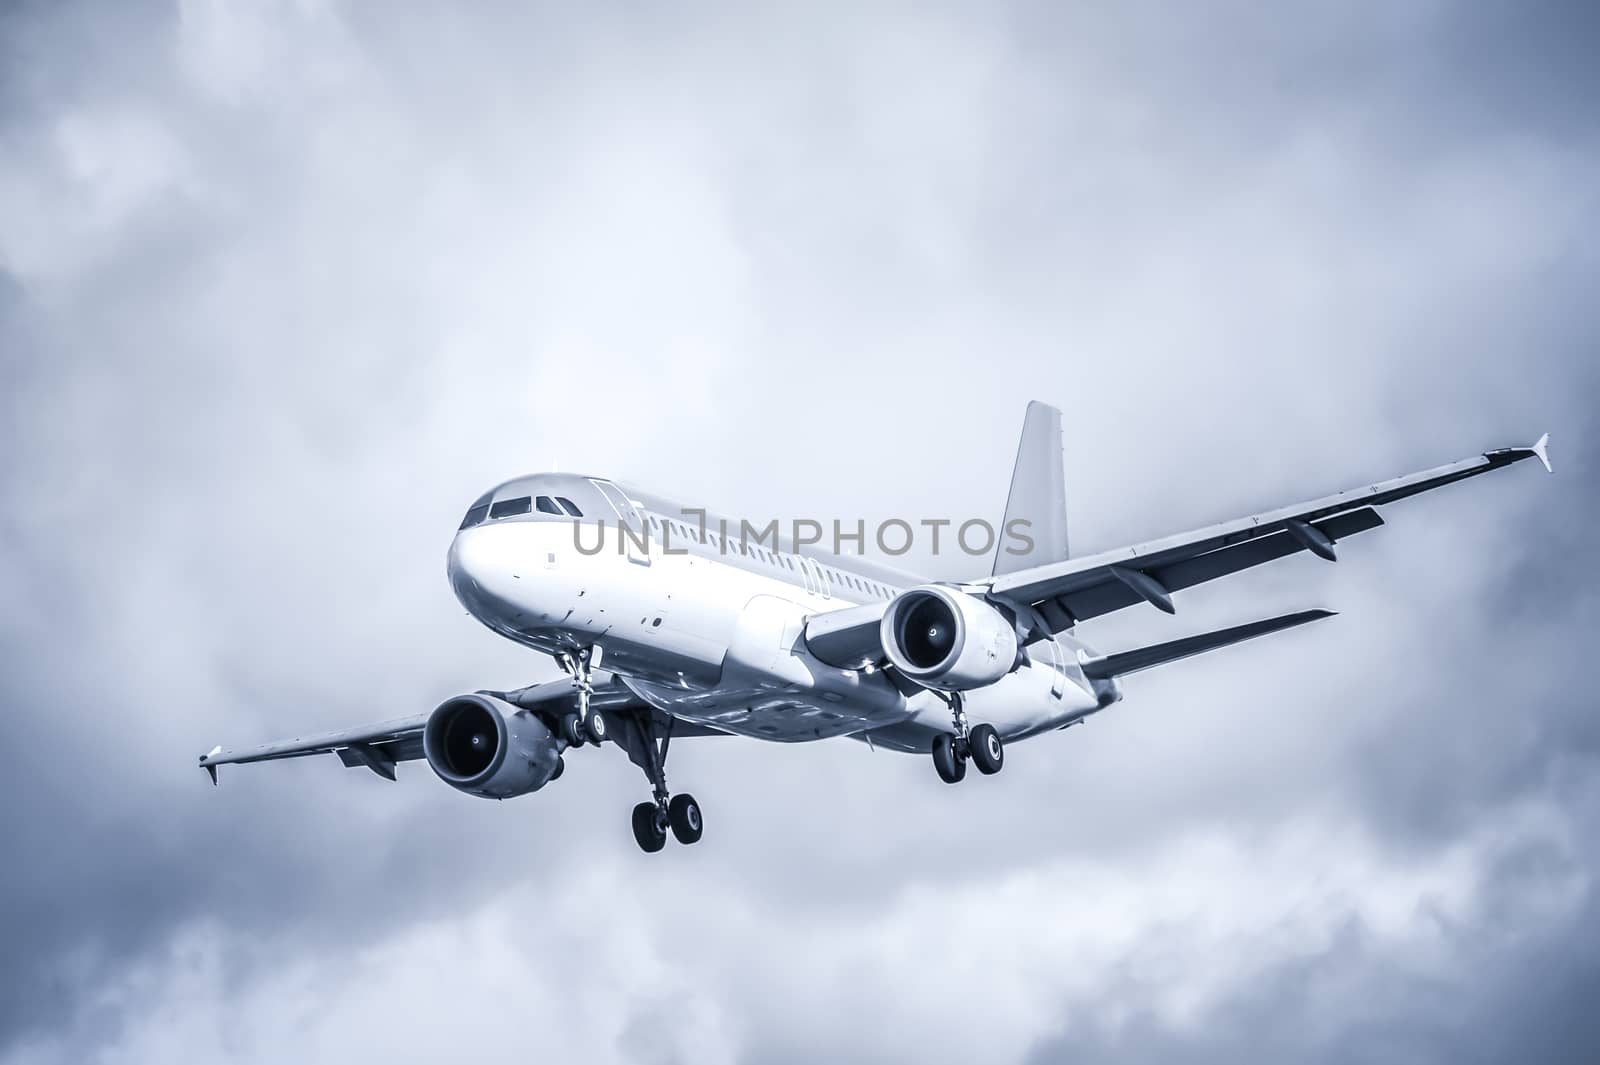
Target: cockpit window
column 506, row 507
column 568, row 506
column 547, row 505
column 478, row 511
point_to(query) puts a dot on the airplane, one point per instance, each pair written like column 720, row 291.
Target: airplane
column 667, row 629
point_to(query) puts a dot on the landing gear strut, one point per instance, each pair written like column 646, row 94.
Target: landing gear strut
column 647, row 748
column 953, row 749
column 587, row 725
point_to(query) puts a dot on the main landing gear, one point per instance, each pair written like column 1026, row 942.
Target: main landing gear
column 980, row 744
column 587, row 725
column 647, row 743
column 651, row 822
column 637, row 731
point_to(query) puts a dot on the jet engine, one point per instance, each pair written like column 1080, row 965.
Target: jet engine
column 485, row 746
column 943, row 638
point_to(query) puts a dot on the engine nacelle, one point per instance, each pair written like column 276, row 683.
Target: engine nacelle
column 946, row 639
column 485, row 746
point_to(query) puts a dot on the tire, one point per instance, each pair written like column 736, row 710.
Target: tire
column 684, row 814
column 561, row 767
column 987, row 752
column 597, row 727
column 650, row 835
column 572, row 730
column 949, row 764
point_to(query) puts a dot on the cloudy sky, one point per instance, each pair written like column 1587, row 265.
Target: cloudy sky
column 283, row 286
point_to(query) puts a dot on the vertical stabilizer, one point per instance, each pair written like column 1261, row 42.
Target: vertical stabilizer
column 1038, row 498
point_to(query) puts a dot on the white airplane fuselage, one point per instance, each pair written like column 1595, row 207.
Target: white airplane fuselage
column 669, row 619
column 711, row 631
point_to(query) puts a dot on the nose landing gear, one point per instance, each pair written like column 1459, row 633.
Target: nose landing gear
column 980, row 744
column 587, row 725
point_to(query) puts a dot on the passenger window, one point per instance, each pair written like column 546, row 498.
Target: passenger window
column 547, row 505
column 475, row 516
column 568, row 506
column 506, row 507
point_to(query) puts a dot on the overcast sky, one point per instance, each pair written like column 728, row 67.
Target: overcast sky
column 283, row 287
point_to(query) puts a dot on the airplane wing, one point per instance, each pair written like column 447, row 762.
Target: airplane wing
column 1056, row 596
column 379, row 747
column 1064, row 593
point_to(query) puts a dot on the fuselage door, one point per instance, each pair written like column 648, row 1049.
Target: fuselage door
column 628, row 517
column 1057, row 666
column 815, row 581
column 804, row 567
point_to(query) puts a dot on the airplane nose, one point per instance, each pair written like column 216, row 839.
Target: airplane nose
column 492, row 567
column 471, row 567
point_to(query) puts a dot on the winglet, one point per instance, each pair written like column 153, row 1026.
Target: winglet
column 208, row 766
column 1504, row 456
column 1541, row 450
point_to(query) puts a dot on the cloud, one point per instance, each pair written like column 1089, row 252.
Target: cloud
column 285, row 286
column 1073, row 951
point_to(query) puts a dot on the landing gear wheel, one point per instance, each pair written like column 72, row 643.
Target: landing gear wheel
column 572, row 730
column 648, row 828
column 561, row 767
column 988, row 753
column 684, row 814
column 947, row 761
column 596, row 728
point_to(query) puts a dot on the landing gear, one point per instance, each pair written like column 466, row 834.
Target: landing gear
column 649, row 827
column 577, row 732
column 684, row 814
column 947, row 761
column 589, row 725
column 986, row 750
column 980, row 744
column 646, row 741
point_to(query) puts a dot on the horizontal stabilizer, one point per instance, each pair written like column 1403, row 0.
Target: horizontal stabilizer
column 1105, row 667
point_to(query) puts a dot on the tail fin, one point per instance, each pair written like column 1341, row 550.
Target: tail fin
column 1038, row 498
column 1107, row 666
